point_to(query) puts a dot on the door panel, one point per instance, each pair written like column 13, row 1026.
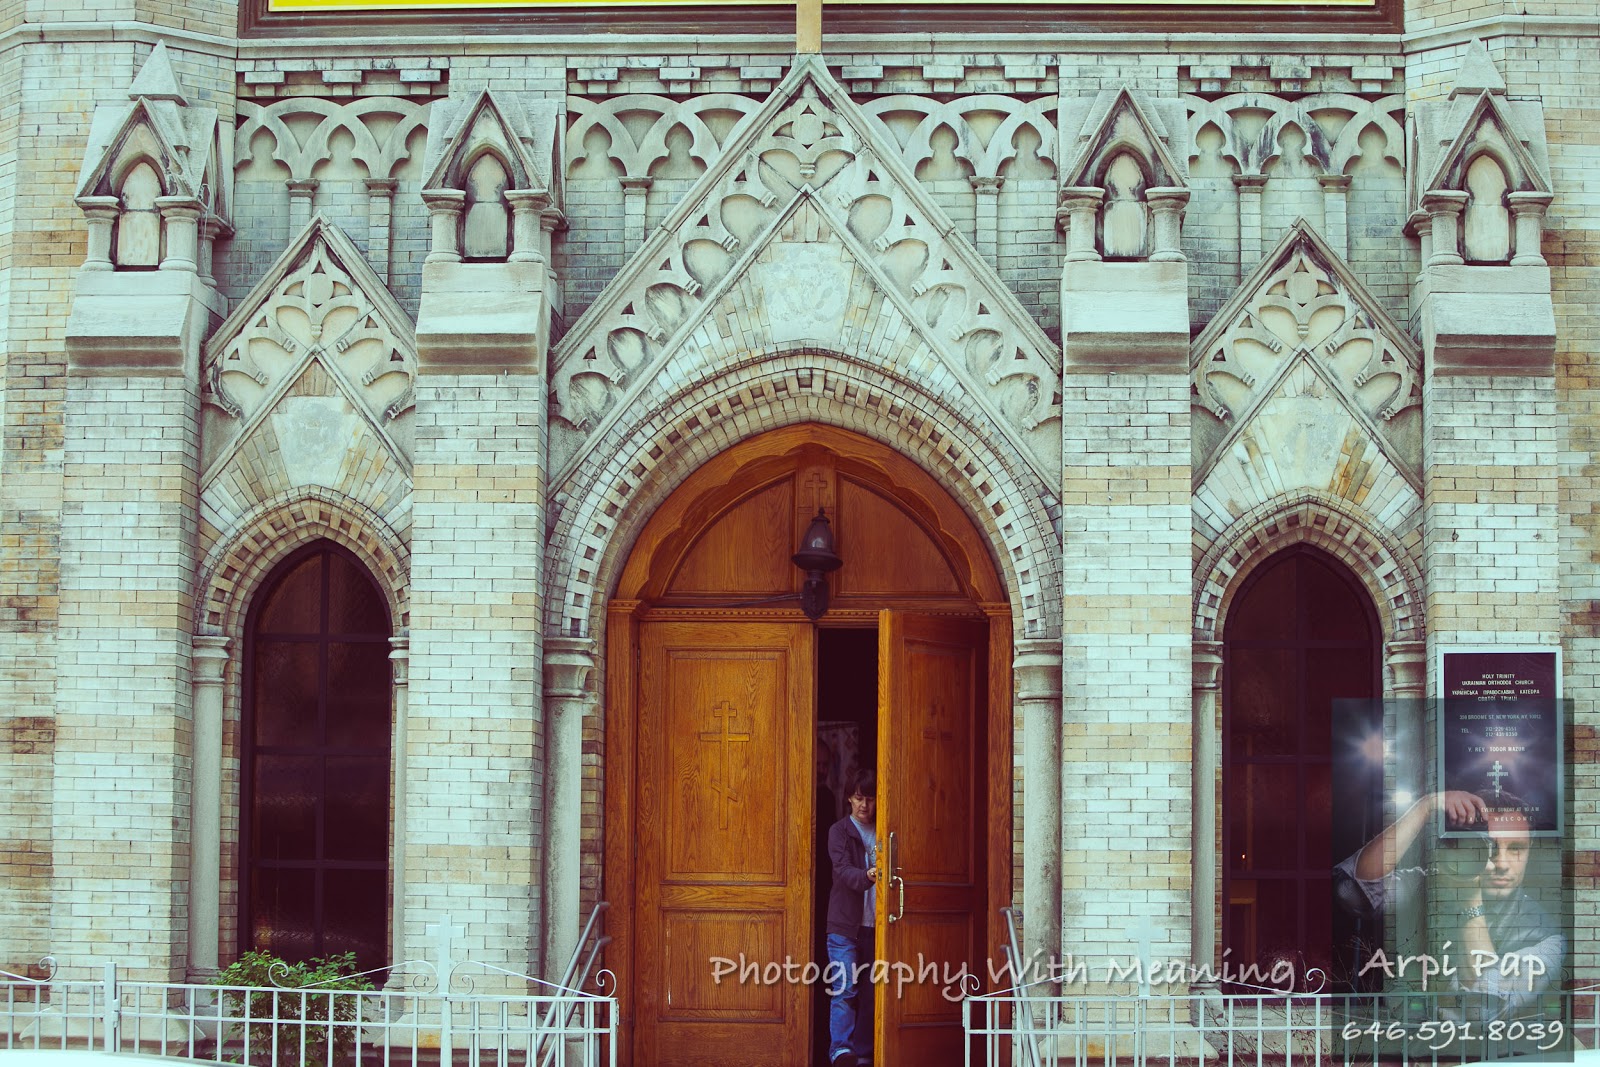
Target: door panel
column 931, row 704
column 724, row 844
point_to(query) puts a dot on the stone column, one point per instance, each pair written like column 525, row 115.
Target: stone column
column 444, row 214
column 1445, row 209
column 211, row 227
column 1166, row 210
column 1527, row 212
column 634, row 192
column 400, row 667
column 527, row 207
column 181, row 217
column 1038, row 694
column 1407, row 769
column 1206, row 686
column 208, row 670
column 302, row 192
column 380, row 222
column 1078, row 209
column 987, row 231
column 569, row 665
column 101, row 211
column 1249, row 187
column 1335, row 211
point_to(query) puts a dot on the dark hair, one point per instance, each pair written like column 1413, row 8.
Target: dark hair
column 863, row 784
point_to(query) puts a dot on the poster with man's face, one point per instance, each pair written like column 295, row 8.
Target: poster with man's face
column 1500, row 731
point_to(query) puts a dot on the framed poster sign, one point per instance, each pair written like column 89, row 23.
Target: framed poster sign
column 1500, row 729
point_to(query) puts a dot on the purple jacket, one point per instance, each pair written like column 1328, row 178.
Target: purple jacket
column 848, row 854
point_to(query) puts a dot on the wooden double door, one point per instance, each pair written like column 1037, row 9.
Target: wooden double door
column 710, row 815
column 725, row 855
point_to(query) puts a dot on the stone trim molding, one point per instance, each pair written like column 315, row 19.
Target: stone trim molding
column 1375, row 556
column 241, row 558
column 602, row 506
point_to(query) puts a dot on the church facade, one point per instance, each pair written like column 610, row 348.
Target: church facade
column 409, row 426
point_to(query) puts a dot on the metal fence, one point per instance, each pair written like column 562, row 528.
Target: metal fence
column 1027, row 1027
column 430, row 1015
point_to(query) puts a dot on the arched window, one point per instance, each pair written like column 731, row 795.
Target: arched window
column 1486, row 224
column 1124, row 214
column 486, row 228
column 1302, row 770
column 139, row 223
column 316, row 761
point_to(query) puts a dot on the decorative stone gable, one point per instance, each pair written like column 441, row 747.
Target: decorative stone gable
column 319, row 357
column 809, row 162
column 1303, row 384
column 1482, row 177
column 156, row 177
column 1483, row 300
column 154, row 188
column 1123, row 191
column 493, row 195
column 490, row 160
column 1125, row 285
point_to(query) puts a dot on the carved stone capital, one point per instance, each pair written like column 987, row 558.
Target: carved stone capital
column 568, row 665
column 400, row 660
column 1409, row 662
column 1037, row 666
column 209, row 656
column 1207, row 659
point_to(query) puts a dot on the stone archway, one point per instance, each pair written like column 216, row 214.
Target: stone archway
column 683, row 631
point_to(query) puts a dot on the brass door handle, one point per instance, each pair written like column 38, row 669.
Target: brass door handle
column 896, row 882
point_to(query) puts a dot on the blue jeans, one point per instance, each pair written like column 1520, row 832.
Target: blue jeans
column 850, row 1012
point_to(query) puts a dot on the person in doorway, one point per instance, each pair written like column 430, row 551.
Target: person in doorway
column 1479, row 876
column 852, row 910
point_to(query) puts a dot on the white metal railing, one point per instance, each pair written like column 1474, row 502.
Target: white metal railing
column 430, row 1015
column 1028, row 1027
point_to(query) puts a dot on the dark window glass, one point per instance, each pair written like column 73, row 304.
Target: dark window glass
column 1300, row 725
column 316, row 761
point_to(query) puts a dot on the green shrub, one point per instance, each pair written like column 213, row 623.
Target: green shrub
column 311, row 1014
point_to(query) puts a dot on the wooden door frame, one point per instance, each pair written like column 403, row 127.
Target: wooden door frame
column 691, row 508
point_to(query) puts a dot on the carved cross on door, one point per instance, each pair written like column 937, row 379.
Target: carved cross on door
column 724, row 734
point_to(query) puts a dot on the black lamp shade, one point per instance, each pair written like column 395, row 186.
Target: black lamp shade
column 816, row 547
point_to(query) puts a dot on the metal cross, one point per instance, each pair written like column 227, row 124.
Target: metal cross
column 722, row 783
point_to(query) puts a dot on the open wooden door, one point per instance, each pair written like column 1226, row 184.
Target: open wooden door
column 726, row 719
column 932, row 674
